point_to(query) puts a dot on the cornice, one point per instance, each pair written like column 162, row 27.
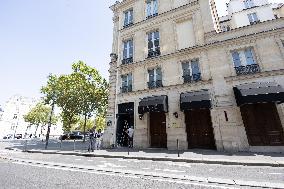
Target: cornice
column 255, row 76
column 183, row 87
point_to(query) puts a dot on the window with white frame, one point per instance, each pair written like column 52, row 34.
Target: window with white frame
column 244, row 61
column 127, row 51
column 128, row 18
column 248, row 4
column 126, row 83
column 153, row 44
column 151, row 8
column 155, row 78
column 191, row 71
column 253, row 18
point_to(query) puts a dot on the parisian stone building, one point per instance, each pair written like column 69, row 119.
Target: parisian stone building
column 178, row 78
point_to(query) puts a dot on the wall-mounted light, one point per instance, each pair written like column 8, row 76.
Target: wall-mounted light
column 140, row 116
column 175, row 114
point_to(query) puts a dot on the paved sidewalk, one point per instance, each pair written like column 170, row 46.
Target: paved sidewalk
column 192, row 156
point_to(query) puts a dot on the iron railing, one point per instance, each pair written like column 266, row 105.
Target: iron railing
column 192, row 78
column 155, row 84
column 157, row 52
column 126, row 89
column 249, row 69
column 127, row 60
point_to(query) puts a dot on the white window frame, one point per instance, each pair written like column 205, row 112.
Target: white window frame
column 128, row 13
column 189, row 62
column 127, row 42
column 242, row 56
column 253, row 18
column 249, row 4
column 152, row 33
column 127, row 79
column 153, row 10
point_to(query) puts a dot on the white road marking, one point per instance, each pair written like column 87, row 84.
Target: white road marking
column 158, row 169
column 276, row 173
column 77, row 159
column 127, row 176
column 90, row 160
column 110, row 165
column 173, row 171
column 146, row 168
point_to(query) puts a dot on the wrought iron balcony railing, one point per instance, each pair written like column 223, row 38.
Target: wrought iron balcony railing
column 127, row 60
column 128, row 25
column 157, row 52
column 126, row 89
column 249, row 69
column 155, row 84
column 255, row 22
column 151, row 16
column 192, row 78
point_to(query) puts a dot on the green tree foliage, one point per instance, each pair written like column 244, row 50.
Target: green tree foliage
column 39, row 116
column 82, row 93
column 89, row 125
column 100, row 122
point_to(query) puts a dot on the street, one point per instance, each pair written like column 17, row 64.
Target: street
column 33, row 170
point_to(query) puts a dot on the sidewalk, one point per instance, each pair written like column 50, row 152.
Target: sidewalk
column 191, row 156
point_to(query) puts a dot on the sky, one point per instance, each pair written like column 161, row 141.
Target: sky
column 39, row 37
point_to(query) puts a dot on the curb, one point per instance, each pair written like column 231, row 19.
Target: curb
column 157, row 158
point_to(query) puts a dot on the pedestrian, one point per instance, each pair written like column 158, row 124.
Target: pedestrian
column 98, row 137
column 92, row 141
column 130, row 132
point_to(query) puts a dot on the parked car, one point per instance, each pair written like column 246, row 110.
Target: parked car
column 9, row 136
column 71, row 136
column 18, row 136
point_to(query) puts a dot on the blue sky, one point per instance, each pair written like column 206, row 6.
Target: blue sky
column 38, row 37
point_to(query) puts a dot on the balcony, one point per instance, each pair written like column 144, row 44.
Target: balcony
column 249, row 69
column 155, row 84
column 155, row 53
column 255, row 22
column 127, row 60
column 128, row 25
column 151, row 16
column 192, row 78
column 126, row 89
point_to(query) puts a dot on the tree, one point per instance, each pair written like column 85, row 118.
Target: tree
column 39, row 116
column 93, row 91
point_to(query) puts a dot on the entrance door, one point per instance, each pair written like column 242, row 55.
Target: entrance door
column 158, row 130
column 123, row 123
column 262, row 124
column 199, row 129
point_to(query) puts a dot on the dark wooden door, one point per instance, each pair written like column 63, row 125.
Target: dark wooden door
column 199, row 129
column 158, row 130
column 262, row 124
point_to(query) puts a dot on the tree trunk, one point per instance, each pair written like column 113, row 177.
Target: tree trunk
column 85, row 123
column 36, row 130
column 49, row 125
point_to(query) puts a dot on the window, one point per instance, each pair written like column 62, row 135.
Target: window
column 191, row 71
column 253, row 19
column 226, row 28
column 248, row 4
column 153, row 44
column 126, row 83
column 127, row 52
column 244, row 62
column 282, row 41
column 155, row 78
column 151, row 8
column 128, row 18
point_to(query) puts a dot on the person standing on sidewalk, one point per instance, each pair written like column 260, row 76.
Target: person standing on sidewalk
column 92, row 141
column 130, row 132
column 98, row 137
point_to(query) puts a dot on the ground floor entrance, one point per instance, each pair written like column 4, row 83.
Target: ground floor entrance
column 199, row 129
column 262, row 124
column 158, row 134
column 125, row 119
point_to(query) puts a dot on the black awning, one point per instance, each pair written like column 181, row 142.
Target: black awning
column 258, row 93
column 195, row 99
column 153, row 104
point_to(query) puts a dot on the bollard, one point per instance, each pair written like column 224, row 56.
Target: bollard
column 26, row 144
column 74, row 145
column 61, row 144
column 128, row 146
column 178, row 148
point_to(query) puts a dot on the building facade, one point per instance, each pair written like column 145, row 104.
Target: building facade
column 248, row 12
column 175, row 77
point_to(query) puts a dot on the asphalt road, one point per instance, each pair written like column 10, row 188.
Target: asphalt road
column 28, row 170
